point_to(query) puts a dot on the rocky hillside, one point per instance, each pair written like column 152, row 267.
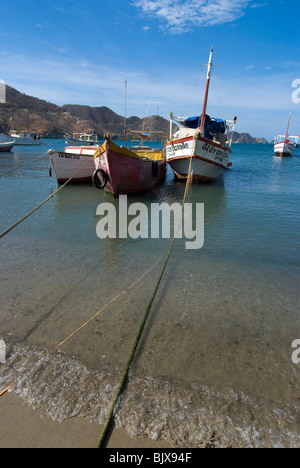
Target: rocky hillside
column 52, row 121
column 246, row 138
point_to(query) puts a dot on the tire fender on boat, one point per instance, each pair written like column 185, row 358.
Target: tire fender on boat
column 96, row 180
column 154, row 168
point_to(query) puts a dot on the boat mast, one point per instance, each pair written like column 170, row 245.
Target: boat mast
column 125, row 112
column 206, row 93
column 288, row 126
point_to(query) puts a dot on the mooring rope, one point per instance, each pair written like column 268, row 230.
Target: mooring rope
column 107, row 305
column 109, row 420
column 110, row 417
column 5, row 390
column 45, row 201
column 26, row 164
column 97, row 314
column 298, row 160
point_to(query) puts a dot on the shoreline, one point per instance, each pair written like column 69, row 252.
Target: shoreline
column 23, row 427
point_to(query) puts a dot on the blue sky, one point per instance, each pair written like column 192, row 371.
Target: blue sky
column 82, row 51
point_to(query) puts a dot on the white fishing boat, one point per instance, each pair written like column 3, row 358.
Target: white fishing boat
column 77, row 160
column 204, row 139
column 25, row 138
column 285, row 145
column 82, row 139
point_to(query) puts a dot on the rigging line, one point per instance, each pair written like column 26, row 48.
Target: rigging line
column 219, row 96
column 45, row 201
column 22, row 165
column 195, row 90
column 110, row 418
column 154, row 86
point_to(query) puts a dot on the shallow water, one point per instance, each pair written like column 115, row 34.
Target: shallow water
column 214, row 366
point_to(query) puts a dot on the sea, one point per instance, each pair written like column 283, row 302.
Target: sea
column 217, row 364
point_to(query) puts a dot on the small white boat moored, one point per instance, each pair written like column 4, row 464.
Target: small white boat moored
column 73, row 159
column 82, row 139
column 285, row 145
column 25, row 138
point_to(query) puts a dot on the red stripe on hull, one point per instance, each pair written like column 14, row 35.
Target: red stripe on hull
column 201, row 158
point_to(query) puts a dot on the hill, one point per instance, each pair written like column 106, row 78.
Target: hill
column 52, row 121
column 246, row 138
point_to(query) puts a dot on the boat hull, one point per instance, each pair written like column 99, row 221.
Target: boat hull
column 284, row 149
column 73, row 142
column 27, row 142
column 69, row 162
column 6, row 147
column 126, row 172
column 209, row 159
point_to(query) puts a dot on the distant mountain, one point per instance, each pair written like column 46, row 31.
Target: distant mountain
column 52, row 121
column 246, row 138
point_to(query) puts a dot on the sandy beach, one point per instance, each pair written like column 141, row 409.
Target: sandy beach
column 23, row 427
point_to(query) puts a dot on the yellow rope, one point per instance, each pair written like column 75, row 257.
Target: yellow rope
column 45, row 201
column 98, row 313
column 108, row 304
column 5, row 390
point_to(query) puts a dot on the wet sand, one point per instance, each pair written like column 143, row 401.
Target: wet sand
column 23, row 427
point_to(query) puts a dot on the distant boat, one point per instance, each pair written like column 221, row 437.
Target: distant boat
column 204, row 140
column 285, row 145
column 5, row 138
column 25, row 138
column 121, row 170
column 82, row 139
column 7, row 146
column 66, row 163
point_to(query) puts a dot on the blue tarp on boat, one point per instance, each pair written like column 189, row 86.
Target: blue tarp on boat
column 211, row 126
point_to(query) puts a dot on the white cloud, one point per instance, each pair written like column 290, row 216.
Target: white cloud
column 179, row 16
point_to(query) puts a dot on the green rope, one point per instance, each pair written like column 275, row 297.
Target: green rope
column 110, row 417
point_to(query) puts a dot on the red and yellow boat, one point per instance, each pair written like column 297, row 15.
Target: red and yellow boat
column 139, row 168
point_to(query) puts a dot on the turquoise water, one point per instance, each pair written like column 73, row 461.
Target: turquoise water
column 214, row 366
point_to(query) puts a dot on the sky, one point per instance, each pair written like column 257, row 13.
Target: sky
column 83, row 51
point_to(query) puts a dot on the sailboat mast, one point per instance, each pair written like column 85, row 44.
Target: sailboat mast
column 288, row 126
column 125, row 114
column 206, row 93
